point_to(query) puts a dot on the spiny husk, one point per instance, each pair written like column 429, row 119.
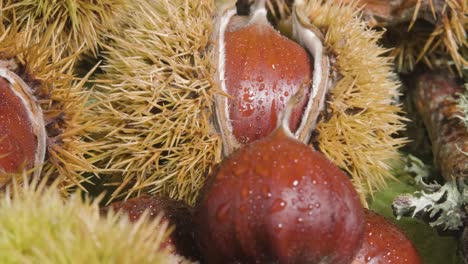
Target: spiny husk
column 432, row 32
column 279, row 9
column 152, row 109
column 446, row 45
column 429, row 31
column 407, row 46
column 358, row 130
column 38, row 226
column 154, row 102
column 61, row 96
column 79, row 25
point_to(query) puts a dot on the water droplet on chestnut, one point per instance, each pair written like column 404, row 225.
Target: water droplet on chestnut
column 246, row 67
column 278, row 205
column 267, row 229
column 385, row 243
column 295, row 183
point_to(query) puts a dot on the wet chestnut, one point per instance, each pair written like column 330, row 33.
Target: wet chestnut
column 276, row 200
column 22, row 130
column 260, row 70
column 263, row 70
column 18, row 143
column 385, row 243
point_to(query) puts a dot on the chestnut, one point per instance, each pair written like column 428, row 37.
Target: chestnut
column 276, row 200
column 23, row 135
column 176, row 213
column 385, row 243
column 263, row 70
column 260, row 70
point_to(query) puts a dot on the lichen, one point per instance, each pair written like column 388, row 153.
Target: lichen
column 443, row 204
column 462, row 102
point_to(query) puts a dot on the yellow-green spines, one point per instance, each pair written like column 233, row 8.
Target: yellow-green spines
column 38, row 226
column 357, row 132
column 153, row 103
column 76, row 25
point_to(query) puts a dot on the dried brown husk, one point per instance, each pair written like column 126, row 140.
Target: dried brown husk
column 432, row 32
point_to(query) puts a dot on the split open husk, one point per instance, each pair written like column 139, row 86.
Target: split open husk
column 153, row 108
column 55, row 97
column 306, row 35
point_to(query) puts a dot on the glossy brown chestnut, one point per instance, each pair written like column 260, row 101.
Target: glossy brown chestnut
column 176, row 213
column 263, row 70
column 259, row 71
column 276, row 200
column 385, row 243
column 18, row 142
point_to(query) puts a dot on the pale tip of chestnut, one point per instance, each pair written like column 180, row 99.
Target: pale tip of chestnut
column 285, row 115
column 258, row 14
